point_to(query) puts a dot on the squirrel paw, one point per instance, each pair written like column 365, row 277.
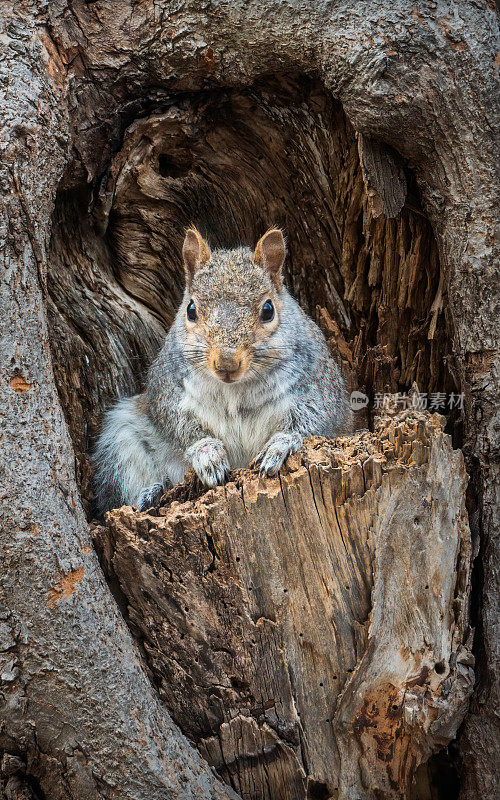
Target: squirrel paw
column 279, row 447
column 209, row 460
column 150, row 497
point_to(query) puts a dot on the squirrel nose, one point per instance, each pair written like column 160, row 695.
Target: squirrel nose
column 224, row 365
column 227, row 361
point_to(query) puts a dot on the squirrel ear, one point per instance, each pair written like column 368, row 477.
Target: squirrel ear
column 270, row 253
column 195, row 253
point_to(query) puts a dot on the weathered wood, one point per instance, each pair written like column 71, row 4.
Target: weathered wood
column 310, row 630
column 76, row 707
column 383, row 175
column 74, row 77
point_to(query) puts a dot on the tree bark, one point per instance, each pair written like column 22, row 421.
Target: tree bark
column 77, row 708
column 123, row 122
column 310, row 632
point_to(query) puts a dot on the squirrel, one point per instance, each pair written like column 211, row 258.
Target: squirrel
column 243, row 377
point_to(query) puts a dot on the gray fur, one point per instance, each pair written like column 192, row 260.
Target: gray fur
column 189, row 417
column 150, row 497
column 277, row 449
column 209, row 460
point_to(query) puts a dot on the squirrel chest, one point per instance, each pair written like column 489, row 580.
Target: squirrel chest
column 242, row 420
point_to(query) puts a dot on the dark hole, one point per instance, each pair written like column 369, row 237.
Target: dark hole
column 439, row 667
column 321, row 684
column 169, row 167
column 237, row 683
column 317, row 790
column 237, row 558
column 395, row 708
column 443, row 772
column 426, row 585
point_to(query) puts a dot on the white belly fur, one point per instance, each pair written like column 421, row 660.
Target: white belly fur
column 244, row 432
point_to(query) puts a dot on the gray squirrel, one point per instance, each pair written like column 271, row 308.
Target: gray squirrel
column 243, row 377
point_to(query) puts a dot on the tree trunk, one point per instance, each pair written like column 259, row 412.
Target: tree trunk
column 307, row 632
column 366, row 130
column 78, row 711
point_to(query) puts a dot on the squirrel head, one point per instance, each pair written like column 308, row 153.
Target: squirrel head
column 232, row 306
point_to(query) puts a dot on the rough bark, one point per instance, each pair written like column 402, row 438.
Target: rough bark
column 77, row 708
column 397, row 296
column 311, row 630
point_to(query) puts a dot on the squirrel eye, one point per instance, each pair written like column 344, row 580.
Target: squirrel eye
column 191, row 311
column 267, row 313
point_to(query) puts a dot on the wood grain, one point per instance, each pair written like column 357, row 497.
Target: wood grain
column 420, row 301
column 383, row 175
column 310, row 630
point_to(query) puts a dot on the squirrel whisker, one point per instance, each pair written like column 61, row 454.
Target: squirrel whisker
column 260, row 377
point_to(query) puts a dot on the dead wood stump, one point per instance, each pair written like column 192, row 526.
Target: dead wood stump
column 310, row 632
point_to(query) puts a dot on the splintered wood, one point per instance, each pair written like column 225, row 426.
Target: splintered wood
column 281, row 152
column 310, row 632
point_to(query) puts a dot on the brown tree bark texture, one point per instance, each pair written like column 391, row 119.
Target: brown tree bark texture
column 77, row 708
column 309, row 631
column 395, row 295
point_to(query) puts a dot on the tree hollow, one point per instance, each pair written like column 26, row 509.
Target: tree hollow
column 235, row 162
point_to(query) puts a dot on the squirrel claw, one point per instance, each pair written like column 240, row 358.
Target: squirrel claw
column 209, row 460
column 279, row 447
